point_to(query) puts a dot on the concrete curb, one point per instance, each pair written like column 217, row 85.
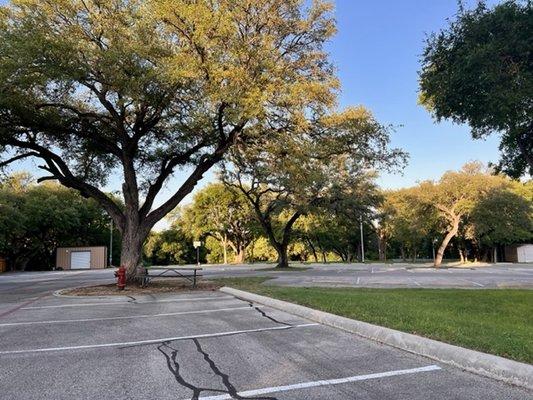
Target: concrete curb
column 495, row 367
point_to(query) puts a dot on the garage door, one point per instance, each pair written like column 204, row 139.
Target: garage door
column 525, row 253
column 80, row 260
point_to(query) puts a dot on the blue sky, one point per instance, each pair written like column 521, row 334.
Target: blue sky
column 376, row 51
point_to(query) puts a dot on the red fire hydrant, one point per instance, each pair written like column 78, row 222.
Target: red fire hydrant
column 121, row 277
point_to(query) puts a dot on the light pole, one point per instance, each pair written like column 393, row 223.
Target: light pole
column 111, row 243
column 433, row 248
column 362, row 243
column 197, row 245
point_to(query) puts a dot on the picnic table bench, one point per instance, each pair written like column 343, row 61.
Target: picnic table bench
column 170, row 272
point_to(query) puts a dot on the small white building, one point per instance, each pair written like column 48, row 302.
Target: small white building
column 519, row 253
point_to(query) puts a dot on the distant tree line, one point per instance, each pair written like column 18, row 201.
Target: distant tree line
column 465, row 215
column 36, row 219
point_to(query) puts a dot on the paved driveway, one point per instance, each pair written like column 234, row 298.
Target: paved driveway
column 205, row 345
column 406, row 276
column 379, row 275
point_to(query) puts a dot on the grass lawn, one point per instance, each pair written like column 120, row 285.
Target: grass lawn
column 493, row 321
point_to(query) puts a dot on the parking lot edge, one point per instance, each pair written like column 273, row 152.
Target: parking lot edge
column 488, row 365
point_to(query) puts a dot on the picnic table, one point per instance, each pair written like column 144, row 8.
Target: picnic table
column 170, row 272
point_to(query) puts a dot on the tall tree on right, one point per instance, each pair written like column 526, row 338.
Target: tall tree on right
column 463, row 198
column 479, row 70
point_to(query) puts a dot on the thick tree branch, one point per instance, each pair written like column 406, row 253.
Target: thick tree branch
column 167, row 168
column 202, row 167
column 60, row 170
column 288, row 227
column 18, row 157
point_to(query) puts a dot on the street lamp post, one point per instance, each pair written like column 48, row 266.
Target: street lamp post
column 197, row 245
column 111, row 243
column 362, row 243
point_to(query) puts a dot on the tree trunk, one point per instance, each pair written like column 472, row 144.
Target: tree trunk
column 283, row 256
column 131, row 252
column 315, row 256
column 239, row 255
column 252, row 247
column 524, row 144
column 225, row 248
column 447, row 238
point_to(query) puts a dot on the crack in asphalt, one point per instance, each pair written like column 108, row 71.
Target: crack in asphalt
column 133, row 299
column 264, row 314
column 175, row 368
column 232, row 391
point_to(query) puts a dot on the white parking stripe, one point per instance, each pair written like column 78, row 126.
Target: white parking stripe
column 415, row 282
column 65, row 321
column 306, row 385
column 473, row 283
column 129, row 302
column 161, row 340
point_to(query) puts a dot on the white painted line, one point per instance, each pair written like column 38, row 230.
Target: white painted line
column 415, row 282
column 161, row 340
column 65, row 321
column 113, row 303
column 307, row 385
column 358, row 279
column 473, row 283
column 39, row 279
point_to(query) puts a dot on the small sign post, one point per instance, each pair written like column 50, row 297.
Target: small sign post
column 197, row 245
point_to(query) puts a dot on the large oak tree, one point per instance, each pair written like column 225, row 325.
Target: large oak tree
column 462, row 200
column 139, row 89
column 321, row 162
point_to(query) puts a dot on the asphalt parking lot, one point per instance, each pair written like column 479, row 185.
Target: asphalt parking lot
column 380, row 275
column 207, row 345
column 499, row 276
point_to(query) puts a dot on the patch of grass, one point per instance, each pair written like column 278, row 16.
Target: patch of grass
column 493, row 321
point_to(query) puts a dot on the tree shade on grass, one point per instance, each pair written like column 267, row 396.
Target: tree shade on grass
column 498, row 321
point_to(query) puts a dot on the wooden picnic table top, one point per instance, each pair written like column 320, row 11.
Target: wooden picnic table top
column 176, row 268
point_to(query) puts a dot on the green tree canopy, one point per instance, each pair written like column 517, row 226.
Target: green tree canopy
column 479, row 70
column 313, row 164
column 169, row 247
column 36, row 219
column 463, row 198
column 407, row 220
column 503, row 216
column 222, row 214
